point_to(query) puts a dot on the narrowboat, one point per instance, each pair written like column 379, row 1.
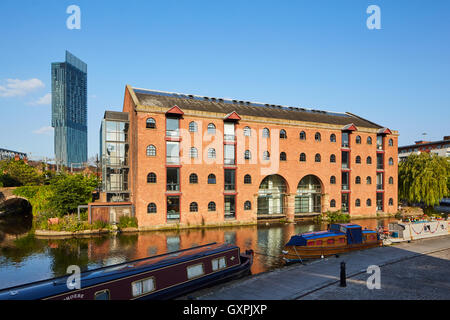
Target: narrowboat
column 340, row 238
column 414, row 229
column 160, row 277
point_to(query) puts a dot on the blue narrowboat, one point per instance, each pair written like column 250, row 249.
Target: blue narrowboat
column 339, row 238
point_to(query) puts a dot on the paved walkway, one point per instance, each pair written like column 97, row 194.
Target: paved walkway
column 319, row 279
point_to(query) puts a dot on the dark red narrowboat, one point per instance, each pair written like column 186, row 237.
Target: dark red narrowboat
column 164, row 276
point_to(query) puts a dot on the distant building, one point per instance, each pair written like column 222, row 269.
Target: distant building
column 114, row 156
column 69, row 110
column 9, row 154
column 441, row 148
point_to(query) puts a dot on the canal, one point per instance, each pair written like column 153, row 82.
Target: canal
column 25, row 257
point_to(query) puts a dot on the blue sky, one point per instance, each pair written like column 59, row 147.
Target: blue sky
column 313, row 54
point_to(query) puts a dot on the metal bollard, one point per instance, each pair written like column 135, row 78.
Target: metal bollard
column 343, row 277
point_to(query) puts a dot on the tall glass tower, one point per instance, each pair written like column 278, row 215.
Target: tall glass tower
column 69, row 110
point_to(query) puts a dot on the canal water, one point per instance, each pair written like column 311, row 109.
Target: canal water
column 25, row 257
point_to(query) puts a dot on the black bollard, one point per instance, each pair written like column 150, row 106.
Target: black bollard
column 343, row 278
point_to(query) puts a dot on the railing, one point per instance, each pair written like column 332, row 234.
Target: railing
column 228, row 161
column 345, row 165
column 230, row 215
column 229, row 137
column 230, row 186
column 172, row 133
column 172, row 215
column 345, row 145
column 345, row 187
column 379, row 147
column 172, row 159
column 379, row 187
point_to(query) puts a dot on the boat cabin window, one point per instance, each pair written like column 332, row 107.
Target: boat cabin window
column 143, row 286
column 195, row 271
column 219, row 263
column 319, row 242
column 310, row 243
column 330, row 241
column 342, row 240
column 102, row 295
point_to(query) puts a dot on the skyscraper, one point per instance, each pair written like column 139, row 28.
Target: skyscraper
column 69, row 110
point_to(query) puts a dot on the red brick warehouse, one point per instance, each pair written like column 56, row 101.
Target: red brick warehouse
column 209, row 161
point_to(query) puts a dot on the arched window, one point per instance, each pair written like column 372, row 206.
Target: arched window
column 332, row 137
column 151, row 151
column 283, row 134
column 391, row 142
column 333, row 203
column 193, row 152
column 358, row 180
column 151, row 177
column 247, row 179
column 391, row 161
column 211, row 128
column 282, row 156
column 212, row 206
column 357, row 203
column 302, row 135
column 317, row 136
column 266, row 155
column 317, row 157
column 212, row 179
column 369, row 160
column 151, row 208
column 266, row 133
column 332, row 180
column 391, row 201
column 368, row 180
column 247, row 205
column 193, row 126
column 302, row 157
column 369, row 202
column 358, row 159
column 332, row 158
column 193, row 178
column 391, row 180
column 211, row 153
column 193, row 207
column 247, row 131
column 358, row 140
column 150, row 123
column 369, row 140
column 247, row 155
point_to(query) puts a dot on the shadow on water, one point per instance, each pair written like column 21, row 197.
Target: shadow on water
column 25, row 257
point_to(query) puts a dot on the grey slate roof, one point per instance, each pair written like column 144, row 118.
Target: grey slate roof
column 245, row 108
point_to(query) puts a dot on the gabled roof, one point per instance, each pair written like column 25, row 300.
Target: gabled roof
column 349, row 127
column 384, row 131
column 175, row 110
column 245, row 108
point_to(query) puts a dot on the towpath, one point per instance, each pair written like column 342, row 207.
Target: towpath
column 416, row 270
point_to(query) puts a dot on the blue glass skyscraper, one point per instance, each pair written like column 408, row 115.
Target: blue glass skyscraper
column 69, row 110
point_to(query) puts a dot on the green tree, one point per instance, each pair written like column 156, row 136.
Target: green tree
column 17, row 173
column 423, row 178
column 70, row 191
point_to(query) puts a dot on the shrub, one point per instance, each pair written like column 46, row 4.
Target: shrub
column 127, row 222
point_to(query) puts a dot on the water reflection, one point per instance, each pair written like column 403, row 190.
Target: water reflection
column 25, row 258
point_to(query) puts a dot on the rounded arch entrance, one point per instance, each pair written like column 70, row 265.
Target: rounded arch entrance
column 272, row 195
column 309, row 195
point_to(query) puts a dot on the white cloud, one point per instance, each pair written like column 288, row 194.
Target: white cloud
column 44, row 130
column 17, row 87
column 45, row 100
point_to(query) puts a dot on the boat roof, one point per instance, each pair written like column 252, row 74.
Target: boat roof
column 348, row 225
column 320, row 234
